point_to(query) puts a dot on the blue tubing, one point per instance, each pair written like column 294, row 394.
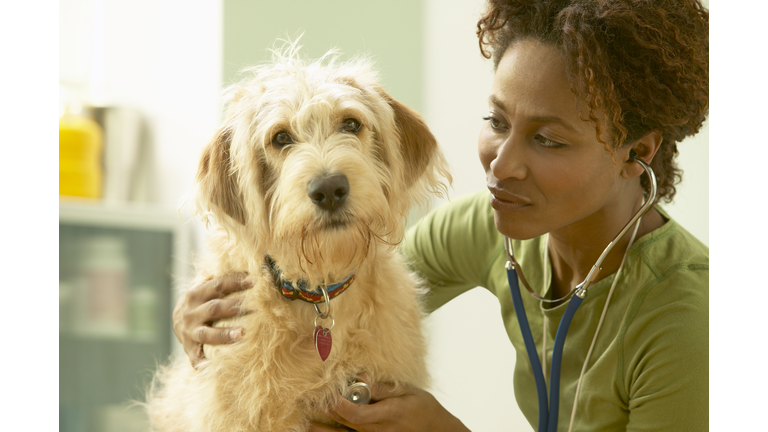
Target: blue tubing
column 530, row 347
column 557, row 357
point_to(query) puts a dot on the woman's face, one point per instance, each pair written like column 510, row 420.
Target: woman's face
column 544, row 165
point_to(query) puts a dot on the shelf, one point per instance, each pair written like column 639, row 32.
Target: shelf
column 110, row 336
column 77, row 211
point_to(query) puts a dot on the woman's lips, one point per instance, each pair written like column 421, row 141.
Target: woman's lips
column 506, row 206
column 506, row 203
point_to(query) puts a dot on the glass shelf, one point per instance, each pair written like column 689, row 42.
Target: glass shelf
column 118, row 267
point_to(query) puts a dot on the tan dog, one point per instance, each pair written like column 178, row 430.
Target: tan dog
column 317, row 168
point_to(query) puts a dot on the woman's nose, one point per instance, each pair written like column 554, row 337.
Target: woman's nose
column 509, row 159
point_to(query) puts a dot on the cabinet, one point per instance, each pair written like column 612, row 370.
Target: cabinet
column 120, row 268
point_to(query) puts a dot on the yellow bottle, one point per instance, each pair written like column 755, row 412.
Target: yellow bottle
column 80, row 147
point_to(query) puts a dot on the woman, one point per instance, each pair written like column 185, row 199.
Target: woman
column 580, row 89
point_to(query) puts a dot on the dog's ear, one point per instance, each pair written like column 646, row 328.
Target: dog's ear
column 215, row 178
column 418, row 145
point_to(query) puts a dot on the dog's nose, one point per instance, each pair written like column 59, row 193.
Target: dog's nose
column 329, row 192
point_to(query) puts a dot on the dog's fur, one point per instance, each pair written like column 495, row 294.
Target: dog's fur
column 254, row 194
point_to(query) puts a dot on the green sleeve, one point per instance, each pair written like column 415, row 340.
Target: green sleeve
column 451, row 247
column 664, row 352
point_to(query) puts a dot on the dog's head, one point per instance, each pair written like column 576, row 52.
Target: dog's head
column 315, row 163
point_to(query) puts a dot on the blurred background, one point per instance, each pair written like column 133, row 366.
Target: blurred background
column 139, row 88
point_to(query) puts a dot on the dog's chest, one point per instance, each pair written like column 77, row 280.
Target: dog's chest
column 365, row 330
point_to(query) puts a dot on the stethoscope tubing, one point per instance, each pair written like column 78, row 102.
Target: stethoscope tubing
column 557, row 357
column 548, row 412
column 530, row 346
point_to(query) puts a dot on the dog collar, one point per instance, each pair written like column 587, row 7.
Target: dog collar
column 302, row 293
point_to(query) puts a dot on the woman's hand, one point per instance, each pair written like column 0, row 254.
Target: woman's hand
column 203, row 304
column 409, row 411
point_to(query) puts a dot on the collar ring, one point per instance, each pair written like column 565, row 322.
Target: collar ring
column 324, row 315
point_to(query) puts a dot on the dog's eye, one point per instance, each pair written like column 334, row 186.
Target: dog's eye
column 281, row 139
column 350, row 125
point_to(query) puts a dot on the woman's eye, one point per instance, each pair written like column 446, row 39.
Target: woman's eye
column 350, row 125
column 281, row 139
column 546, row 142
column 495, row 124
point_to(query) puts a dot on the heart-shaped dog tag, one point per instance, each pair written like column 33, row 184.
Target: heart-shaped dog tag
column 323, row 342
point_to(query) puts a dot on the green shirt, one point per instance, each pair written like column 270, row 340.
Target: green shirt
column 649, row 369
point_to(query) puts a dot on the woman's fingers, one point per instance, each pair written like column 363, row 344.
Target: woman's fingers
column 205, row 335
column 216, row 336
column 353, row 415
column 195, row 353
column 385, row 399
column 216, row 309
column 204, row 304
column 381, row 391
column 218, row 288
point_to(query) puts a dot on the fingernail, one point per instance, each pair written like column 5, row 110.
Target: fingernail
column 236, row 334
column 248, row 283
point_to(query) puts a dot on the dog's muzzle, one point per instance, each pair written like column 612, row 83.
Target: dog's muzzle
column 329, row 192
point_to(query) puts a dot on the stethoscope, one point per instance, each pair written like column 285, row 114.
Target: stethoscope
column 548, row 411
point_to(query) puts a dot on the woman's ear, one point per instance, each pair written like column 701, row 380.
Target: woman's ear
column 645, row 148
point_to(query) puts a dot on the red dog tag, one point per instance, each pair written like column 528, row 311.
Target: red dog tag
column 323, row 342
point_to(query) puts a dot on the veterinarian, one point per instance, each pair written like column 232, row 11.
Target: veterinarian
column 580, row 89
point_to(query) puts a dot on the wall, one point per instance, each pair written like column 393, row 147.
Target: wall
column 392, row 39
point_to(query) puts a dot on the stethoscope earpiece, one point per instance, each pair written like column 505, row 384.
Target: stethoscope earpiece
column 632, row 156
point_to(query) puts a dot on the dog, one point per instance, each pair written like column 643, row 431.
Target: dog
column 307, row 186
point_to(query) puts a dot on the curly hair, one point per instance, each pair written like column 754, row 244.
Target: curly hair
column 645, row 64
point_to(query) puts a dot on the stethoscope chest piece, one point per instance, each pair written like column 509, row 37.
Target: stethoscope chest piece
column 358, row 393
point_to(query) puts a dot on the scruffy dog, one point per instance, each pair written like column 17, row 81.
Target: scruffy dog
column 307, row 186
